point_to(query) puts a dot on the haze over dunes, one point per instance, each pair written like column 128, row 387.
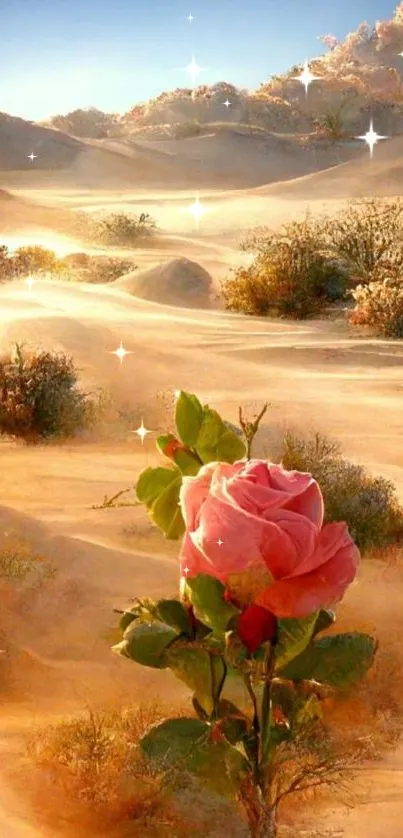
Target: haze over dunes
column 268, row 160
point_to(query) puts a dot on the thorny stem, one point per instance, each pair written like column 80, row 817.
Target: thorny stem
column 250, row 429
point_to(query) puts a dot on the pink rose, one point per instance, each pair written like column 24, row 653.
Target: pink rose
column 259, row 529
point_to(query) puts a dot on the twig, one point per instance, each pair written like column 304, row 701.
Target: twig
column 250, row 429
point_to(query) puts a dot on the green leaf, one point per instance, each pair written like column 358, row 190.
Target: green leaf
column 174, row 614
column 326, row 618
column 166, row 512
column 152, row 482
column 143, row 609
column 339, row 660
column 293, row 637
column 126, row 619
column 186, row 744
column 206, row 594
column 146, row 643
column 189, row 463
column 194, row 666
column 174, row 739
column 188, row 418
column 216, row 441
column 232, row 722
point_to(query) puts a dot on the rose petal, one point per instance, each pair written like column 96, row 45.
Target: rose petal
column 310, row 504
column 302, row 539
column 247, row 540
column 194, row 491
column 193, row 561
column 299, row 596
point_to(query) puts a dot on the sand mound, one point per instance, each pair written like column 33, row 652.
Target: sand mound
column 177, row 282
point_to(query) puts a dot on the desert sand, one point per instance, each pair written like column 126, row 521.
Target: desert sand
column 316, row 374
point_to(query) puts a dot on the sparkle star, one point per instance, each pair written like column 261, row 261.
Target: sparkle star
column 30, row 281
column 219, row 542
column 142, row 432
column 32, row 156
column 193, row 69
column 190, row 17
column 186, row 570
column 306, row 77
column 227, row 103
column 371, row 138
column 121, row 352
column 197, row 210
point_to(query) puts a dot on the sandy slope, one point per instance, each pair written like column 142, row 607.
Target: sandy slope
column 315, row 374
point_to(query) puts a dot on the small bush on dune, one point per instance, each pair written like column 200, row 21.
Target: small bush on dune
column 39, row 398
column 380, row 305
column 84, row 268
column 290, row 276
column 122, row 229
column 367, row 504
column 368, row 236
column 32, row 259
column 92, row 770
column 35, row 259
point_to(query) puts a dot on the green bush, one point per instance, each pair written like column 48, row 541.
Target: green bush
column 39, row 399
column 380, row 305
column 368, row 504
column 122, row 229
column 291, row 275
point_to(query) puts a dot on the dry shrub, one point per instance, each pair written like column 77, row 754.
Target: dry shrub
column 39, row 397
column 31, row 259
column 85, row 268
column 21, row 567
column 122, row 229
column 368, row 237
column 380, row 305
column 89, row 770
column 368, row 504
column 291, row 274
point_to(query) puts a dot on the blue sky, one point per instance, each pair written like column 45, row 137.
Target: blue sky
column 57, row 55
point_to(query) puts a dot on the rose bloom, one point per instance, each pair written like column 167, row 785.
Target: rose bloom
column 259, row 529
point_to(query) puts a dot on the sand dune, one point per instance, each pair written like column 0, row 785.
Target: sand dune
column 380, row 176
column 227, row 158
column 316, row 375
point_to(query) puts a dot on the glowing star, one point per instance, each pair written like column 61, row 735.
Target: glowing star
column 186, row 570
column 227, row 103
column 197, row 210
column 219, row 542
column 193, row 69
column 30, row 281
column 371, row 138
column 306, row 77
column 142, row 432
column 32, row 156
column 190, row 18
column 121, row 352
